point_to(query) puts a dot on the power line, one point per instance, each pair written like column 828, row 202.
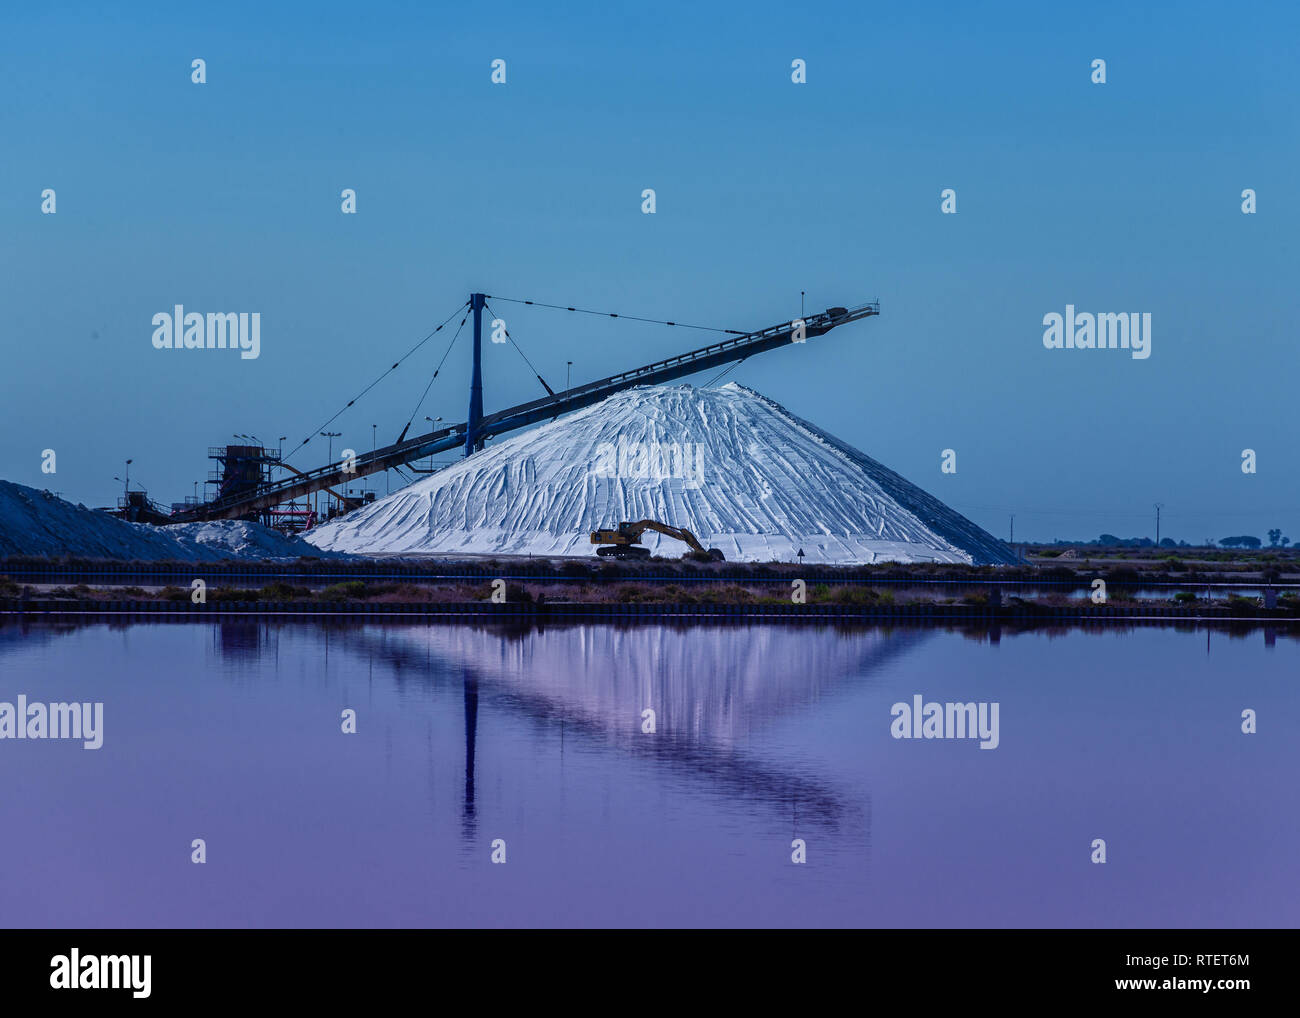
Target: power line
column 611, row 314
column 396, row 363
column 517, row 347
column 445, row 355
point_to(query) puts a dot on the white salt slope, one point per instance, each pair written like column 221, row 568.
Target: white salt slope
column 39, row 523
column 770, row 484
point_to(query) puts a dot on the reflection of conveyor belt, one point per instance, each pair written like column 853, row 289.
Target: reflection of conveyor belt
column 486, row 661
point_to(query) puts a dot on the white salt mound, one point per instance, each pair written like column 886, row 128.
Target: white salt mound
column 740, row 471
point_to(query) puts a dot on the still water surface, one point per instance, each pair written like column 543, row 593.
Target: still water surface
column 230, row 732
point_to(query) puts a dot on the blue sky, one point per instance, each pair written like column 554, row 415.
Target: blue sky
column 225, row 197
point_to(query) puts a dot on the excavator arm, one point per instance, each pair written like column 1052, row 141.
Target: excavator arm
column 681, row 533
column 625, row 540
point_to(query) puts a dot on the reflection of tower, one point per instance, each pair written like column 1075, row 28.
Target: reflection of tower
column 240, row 638
column 468, row 821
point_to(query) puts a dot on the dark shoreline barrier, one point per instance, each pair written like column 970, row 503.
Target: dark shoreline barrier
column 255, row 574
column 484, row 611
column 579, row 571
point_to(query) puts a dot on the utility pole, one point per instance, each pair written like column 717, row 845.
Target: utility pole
column 801, row 294
column 1159, row 506
column 567, row 373
column 1013, row 529
column 331, row 435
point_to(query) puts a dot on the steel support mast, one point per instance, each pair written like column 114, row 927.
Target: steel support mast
column 473, row 443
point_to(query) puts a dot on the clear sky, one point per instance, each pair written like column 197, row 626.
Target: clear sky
column 225, row 196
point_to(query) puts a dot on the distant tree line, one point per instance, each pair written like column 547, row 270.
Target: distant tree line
column 1275, row 539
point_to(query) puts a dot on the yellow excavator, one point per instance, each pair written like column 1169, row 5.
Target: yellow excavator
column 625, row 541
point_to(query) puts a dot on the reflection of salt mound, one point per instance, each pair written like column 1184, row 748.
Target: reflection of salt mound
column 742, row 472
column 717, row 686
